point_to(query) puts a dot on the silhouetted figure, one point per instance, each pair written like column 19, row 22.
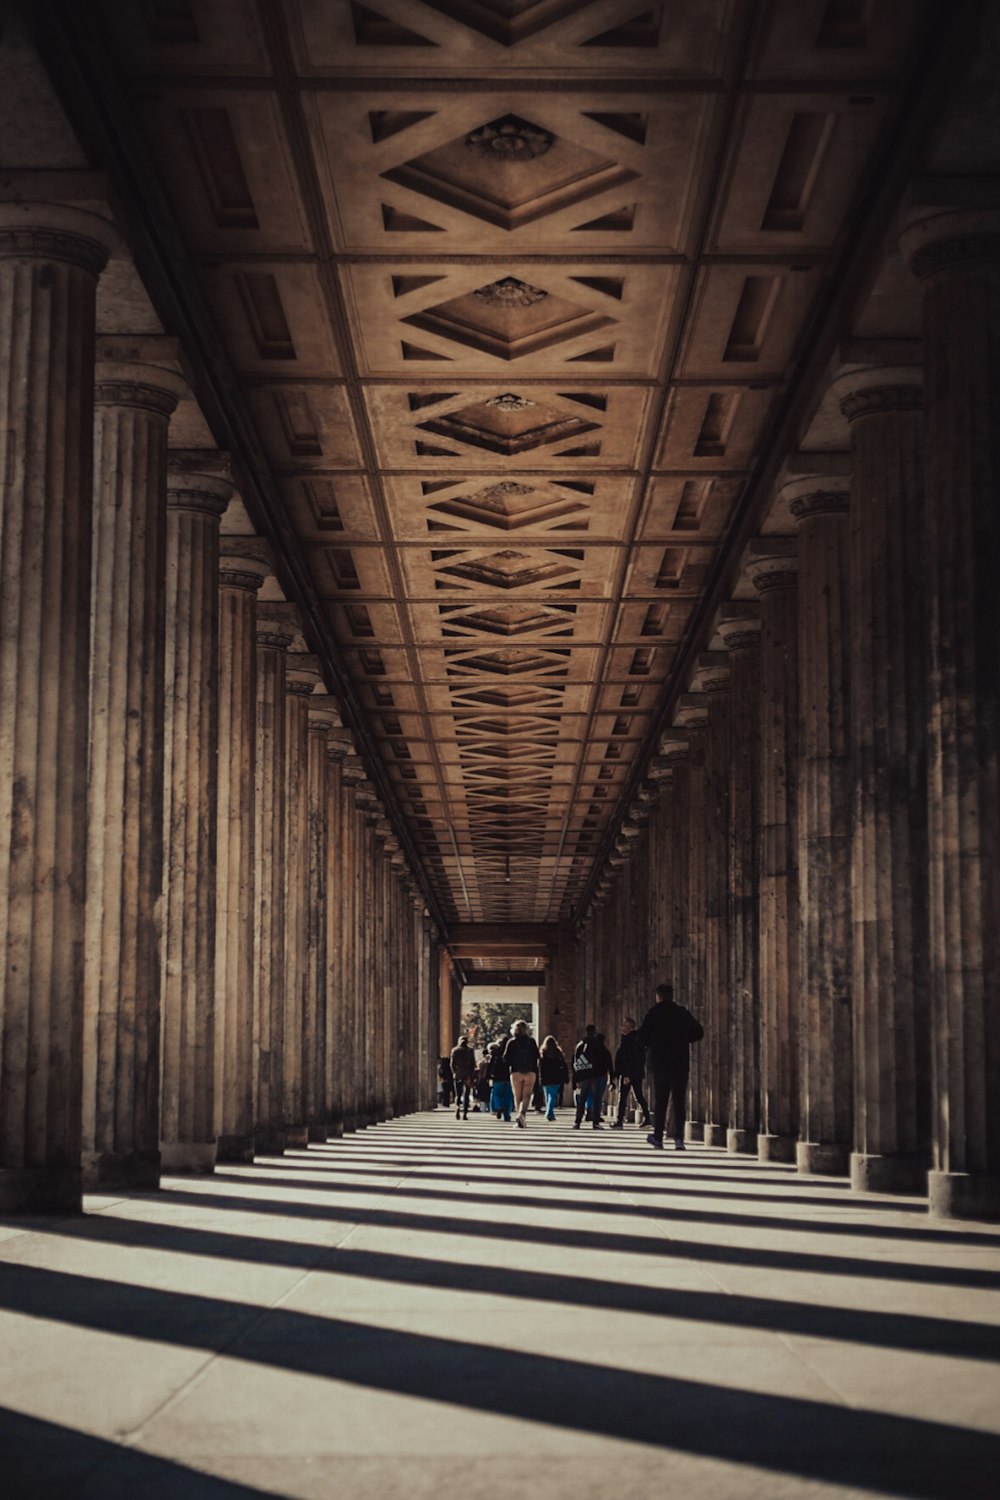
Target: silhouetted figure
column 667, row 1032
column 521, row 1056
column 592, row 1067
column 446, row 1079
column 630, row 1070
column 553, row 1071
column 463, row 1067
column 501, row 1096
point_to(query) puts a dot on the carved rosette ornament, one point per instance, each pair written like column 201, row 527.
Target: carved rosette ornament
column 509, row 402
column 509, row 139
column 510, row 292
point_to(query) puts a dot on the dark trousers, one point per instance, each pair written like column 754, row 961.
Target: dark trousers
column 635, row 1084
column 590, row 1094
column 670, row 1083
column 463, row 1094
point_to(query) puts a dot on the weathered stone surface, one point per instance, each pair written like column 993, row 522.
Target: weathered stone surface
column 884, row 407
column 302, row 676
column 958, row 257
column 121, row 1043
column 823, row 842
column 50, row 258
column 195, row 503
column 243, row 566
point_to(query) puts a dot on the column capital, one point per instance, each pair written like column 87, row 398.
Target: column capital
column 674, row 747
column 939, row 237
column 277, row 624
column 339, row 744
column 738, row 624
column 772, row 563
column 150, row 387
column 324, row 713
column 244, row 562
column 56, row 231
column 871, row 389
column 198, row 481
column 711, row 672
column 691, row 711
column 817, row 495
column 302, row 673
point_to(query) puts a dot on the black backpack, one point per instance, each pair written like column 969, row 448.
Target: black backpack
column 582, row 1065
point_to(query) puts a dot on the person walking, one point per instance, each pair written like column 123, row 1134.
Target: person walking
column 446, row 1080
column 521, row 1056
column 630, row 1069
column 553, row 1072
column 592, row 1066
column 463, row 1069
column 498, row 1073
column 667, row 1032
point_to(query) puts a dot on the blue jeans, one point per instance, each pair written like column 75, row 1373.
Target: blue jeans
column 591, row 1092
column 551, row 1095
column 501, row 1098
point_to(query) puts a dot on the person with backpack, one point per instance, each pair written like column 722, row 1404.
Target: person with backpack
column 667, row 1032
column 630, row 1068
column 592, row 1065
column 463, row 1068
column 554, row 1073
column 501, row 1098
column 521, row 1056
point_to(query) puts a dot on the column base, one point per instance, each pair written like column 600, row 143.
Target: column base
column 779, row 1148
column 268, row 1142
column 350, row 1123
column 694, row 1130
column 335, row 1131
column 296, row 1137
column 889, row 1174
column 820, row 1159
column 741, row 1142
column 120, row 1170
column 715, row 1135
column 319, row 1133
column 964, row 1195
column 234, row 1148
column 187, row 1156
column 41, row 1190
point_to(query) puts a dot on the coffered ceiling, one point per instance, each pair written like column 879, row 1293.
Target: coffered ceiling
column 512, row 290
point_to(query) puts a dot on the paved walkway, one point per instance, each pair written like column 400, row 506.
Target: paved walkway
column 435, row 1308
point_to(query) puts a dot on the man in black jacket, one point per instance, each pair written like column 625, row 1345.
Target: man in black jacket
column 630, row 1069
column 667, row 1032
column 591, row 1066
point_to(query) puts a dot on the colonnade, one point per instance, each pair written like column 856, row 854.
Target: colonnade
column 211, row 944
column 813, row 860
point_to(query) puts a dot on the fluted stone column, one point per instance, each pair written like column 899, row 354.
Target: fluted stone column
column 713, row 678
column 771, row 566
column 301, row 678
column 957, row 255
column 195, row 503
column 819, row 504
column 244, row 564
column 888, row 606
column 121, row 1042
column 50, row 259
column 323, row 717
column 739, row 628
column 337, row 909
column 691, row 716
column 353, row 924
column 275, row 632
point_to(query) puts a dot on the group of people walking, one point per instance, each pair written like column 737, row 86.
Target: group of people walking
column 514, row 1071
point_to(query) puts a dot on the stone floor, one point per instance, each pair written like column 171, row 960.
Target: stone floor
column 434, row 1307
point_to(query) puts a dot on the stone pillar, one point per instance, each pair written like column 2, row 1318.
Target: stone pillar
column 771, row 566
column 713, row 678
column 739, row 628
column 50, row 259
column 889, row 780
column 691, row 716
column 302, row 676
column 275, row 633
column 121, row 992
column 245, row 563
column 335, row 1088
column 957, row 255
column 353, row 920
column 823, row 840
column 323, row 717
column 195, row 503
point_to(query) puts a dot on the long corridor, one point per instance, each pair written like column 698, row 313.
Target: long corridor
column 439, row 1307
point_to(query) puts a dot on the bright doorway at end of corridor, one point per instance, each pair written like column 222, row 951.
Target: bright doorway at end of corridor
column 490, row 1011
